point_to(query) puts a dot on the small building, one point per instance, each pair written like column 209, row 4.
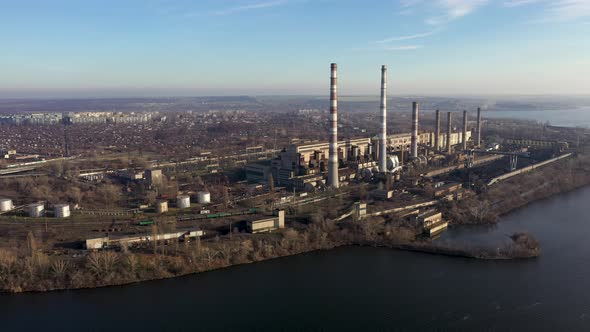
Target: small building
column 5, row 205
column 131, row 174
column 269, row 224
column 183, row 201
column 381, row 194
column 360, row 210
column 6, row 153
column 162, row 206
column 153, row 176
column 36, row 210
column 61, row 210
column 432, row 222
column 447, row 189
column 204, row 197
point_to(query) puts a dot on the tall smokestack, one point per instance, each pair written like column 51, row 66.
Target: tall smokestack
column 464, row 136
column 449, row 129
column 478, row 133
column 333, row 180
column 383, row 133
column 437, row 131
column 414, row 148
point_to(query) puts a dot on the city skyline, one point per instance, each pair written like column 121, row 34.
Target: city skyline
column 266, row 47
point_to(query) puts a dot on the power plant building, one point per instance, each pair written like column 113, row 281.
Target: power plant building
column 298, row 164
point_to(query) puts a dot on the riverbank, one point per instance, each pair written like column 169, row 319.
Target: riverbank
column 502, row 198
column 32, row 270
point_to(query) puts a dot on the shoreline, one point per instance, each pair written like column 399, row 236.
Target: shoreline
column 323, row 230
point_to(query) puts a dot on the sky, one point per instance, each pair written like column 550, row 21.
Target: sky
column 92, row 48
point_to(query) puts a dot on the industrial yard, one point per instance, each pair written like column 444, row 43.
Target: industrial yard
column 202, row 190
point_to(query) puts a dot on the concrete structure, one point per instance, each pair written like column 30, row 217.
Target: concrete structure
column 106, row 242
column 437, row 131
column 162, row 206
column 360, row 210
column 36, row 210
column 432, row 222
column 308, row 161
column 183, row 201
column 204, row 197
column 381, row 194
column 478, row 130
column 61, row 210
column 153, row 176
column 269, row 224
column 414, row 138
column 6, row 153
column 449, row 132
column 383, row 132
column 5, row 205
column 132, row 174
column 464, row 136
column 537, row 143
column 333, row 164
column 447, row 189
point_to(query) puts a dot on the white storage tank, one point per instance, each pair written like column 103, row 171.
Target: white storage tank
column 162, row 206
column 61, row 210
column 36, row 210
column 5, row 204
column 204, row 197
column 183, row 202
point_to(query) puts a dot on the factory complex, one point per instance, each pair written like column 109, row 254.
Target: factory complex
column 400, row 178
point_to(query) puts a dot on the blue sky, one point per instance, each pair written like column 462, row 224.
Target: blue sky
column 264, row 47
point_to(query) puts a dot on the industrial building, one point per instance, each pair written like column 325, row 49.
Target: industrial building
column 432, row 222
column 269, row 224
column 36, row 210
column 61, row 210
column 162, row 206
column 299, row 164
column 5, row 205
column 183, row 201
column 204, row 197
column 153, row 176
column 308, row 166
column 107, row 242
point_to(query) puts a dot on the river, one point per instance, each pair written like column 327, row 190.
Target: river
column 355, row 289
column 575, row 117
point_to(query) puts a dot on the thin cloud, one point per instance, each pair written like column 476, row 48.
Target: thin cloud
column 409, row 37
column 390, row 48
column 454, row 9
column 518, row 3
column 252, row 6
column 556, row 10
column 444, row 11
column 403, row 48
column 568, row 10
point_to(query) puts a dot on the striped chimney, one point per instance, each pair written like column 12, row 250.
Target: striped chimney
column 464, row 137
column 437, row 131
column 333, row 180
column 414, row 138
column 449, row 131
column 478, row 130
column 383, row 132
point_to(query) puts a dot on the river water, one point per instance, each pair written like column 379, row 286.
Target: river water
column 575, row 117
column 355, row 289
